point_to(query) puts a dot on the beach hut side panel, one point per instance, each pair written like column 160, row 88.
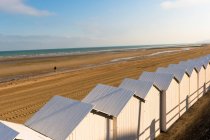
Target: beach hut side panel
column 193, row 88
column 151, row 114
column 128, row 120
column 201, row 82
column 172, row 104
column 207, row 77
column 184, row 94
column 93, row 127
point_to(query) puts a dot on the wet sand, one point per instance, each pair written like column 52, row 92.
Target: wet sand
column 31, row 82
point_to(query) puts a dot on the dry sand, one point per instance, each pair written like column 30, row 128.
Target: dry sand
column 76, row 76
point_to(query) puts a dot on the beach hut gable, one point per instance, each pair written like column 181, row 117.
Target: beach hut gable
column 188, row 71
column 140, row 87
column 109, row 100
column 196, row 64
column 59, row 115
column 203, row 61
column 189, row 66
column 7, row 133
column 178, row 74
column 161, row 80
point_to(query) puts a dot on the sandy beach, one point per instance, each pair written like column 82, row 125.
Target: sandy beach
column 28, row 83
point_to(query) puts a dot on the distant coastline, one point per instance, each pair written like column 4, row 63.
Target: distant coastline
column 77, row 51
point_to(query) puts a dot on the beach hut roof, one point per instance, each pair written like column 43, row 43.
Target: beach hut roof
column 180, row 67
column 59, row 115
column 203, row 61
column 7, row 133
column 206, row 58
column 109, row 100
column 188, row 65
column 196, row 64
column 140, row 87
column 24, row 133
column 161, row 80
column 178, row 73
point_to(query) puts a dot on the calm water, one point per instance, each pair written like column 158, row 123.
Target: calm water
column 52, row 52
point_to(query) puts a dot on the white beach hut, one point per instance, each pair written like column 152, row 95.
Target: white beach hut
column 208, row 75
column 206, row 64
column 121, row 106
column 201, row 76
column 66, row 119
column 149, row 106
column 169, row 101
column 193, row 76
column 14, row 131
column 184, row 86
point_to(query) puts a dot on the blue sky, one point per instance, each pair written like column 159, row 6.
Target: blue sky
column 37, row 24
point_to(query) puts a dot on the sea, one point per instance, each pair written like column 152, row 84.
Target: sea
column 73, row 51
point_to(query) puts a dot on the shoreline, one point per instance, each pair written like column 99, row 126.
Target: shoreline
column 107, row 50
column 161, row 51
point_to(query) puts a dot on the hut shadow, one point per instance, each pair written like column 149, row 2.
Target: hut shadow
column 139, row 122
column 187, row 102
column 131, row 136
column 204, row 89
column 152, row 130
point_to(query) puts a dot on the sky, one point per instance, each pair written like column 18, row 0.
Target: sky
column 42, row 24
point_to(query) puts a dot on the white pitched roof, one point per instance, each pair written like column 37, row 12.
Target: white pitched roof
column 109, row 100
column 196, row 64
column 140, row 87
column 180, row 67
column 59, row 117
column 6, row 133
column 203, row 61
column 187, row 65
column 178, row 73
column 206, row 58
column 161, row 80
column 24, row 133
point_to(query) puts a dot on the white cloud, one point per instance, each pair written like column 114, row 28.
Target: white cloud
column 171, row 4
column 19, row 7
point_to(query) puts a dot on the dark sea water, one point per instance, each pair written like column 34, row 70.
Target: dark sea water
column 67, row 51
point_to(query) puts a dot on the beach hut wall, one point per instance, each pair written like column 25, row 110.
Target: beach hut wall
column 169, row 100
column 193, row 85
column 206, row 64
column 201, row 76
column 184, row 86
column 149, row 97
column 199, row 70
column 121, row 105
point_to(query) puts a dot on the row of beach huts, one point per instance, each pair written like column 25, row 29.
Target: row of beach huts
column 136, row 110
